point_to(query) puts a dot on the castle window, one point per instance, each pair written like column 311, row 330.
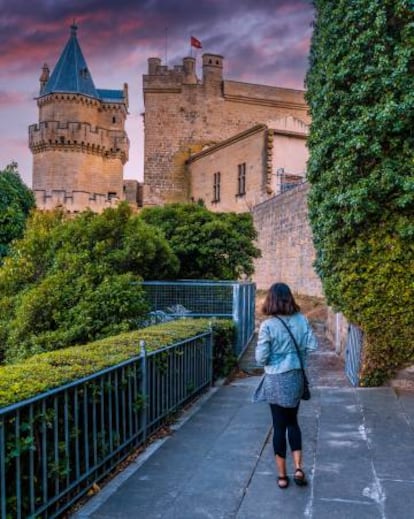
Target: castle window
column 113, row 119
column 62, row 140
column 216, row 187
column 84, row 73
column 241, row 179
column 111, row 195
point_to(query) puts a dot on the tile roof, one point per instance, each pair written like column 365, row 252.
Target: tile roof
column 111, row 95
column 71, row 75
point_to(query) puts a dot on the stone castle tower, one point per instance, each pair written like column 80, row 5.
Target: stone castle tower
column 184, row 115
column 80, row 145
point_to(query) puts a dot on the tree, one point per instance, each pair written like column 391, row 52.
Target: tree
column 360, row 90
column 73, row 280
column 208, row 245
column 16, row 201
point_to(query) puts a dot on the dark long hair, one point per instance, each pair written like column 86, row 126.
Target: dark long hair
column 280, row 301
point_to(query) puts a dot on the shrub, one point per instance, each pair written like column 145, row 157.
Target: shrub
column 208, row 245
column 16, row 202
column 69, row 281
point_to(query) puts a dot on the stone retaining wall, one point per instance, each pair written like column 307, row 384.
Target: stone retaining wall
column 285, row 239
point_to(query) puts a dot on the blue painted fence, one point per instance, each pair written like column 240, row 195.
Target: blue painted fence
column 53, row 447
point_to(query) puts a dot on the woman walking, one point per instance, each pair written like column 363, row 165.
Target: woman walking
column 282, row 385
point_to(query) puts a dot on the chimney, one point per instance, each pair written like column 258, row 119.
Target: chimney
column 44, row 78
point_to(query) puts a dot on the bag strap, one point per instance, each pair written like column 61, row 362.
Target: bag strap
column 294, row 342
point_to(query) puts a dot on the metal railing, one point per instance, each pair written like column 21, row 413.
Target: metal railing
column 353, row 352
column 221, row 299
column 55, row 446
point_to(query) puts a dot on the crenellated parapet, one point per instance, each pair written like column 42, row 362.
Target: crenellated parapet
column 73, row 201
column 161, row 77
column 78, row 137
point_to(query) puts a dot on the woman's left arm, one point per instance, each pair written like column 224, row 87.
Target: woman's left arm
column 310, row 341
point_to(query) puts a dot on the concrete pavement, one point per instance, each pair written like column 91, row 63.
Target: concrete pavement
column 358, row 450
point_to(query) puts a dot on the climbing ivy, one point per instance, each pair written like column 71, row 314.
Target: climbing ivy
column 360, row 91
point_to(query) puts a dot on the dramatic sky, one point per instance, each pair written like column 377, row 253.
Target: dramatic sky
column 262, row 41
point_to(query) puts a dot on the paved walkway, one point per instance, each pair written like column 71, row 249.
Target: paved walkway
column 218, row 463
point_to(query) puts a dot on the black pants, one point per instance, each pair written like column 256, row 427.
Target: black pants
column 285, row 419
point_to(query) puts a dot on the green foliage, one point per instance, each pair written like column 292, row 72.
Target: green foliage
column 224, row 338
column 69, row 281
column 16, row 201
column 46, row 371
column 361, row 205
column 209, row 245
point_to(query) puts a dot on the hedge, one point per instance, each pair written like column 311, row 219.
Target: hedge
column 45, row 371
column 361, row 169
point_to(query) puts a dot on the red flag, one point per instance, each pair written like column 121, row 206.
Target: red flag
column 196, row 43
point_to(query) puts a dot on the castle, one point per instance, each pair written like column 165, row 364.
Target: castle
column 235, row 146
column 230, row 144
column 79, row 145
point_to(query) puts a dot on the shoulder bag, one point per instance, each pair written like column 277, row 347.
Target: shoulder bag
column 306, row 392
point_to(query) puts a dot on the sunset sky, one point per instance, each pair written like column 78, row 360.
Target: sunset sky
column 262, row 41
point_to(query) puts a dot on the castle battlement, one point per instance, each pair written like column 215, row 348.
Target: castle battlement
column 161, row 77
column 80, row 136
column 73, row 201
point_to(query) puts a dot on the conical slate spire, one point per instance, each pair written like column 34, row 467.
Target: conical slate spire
column 71, row 73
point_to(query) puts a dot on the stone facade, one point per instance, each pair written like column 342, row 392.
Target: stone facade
column 251, row 166
column 183, row 115
column 285, row 239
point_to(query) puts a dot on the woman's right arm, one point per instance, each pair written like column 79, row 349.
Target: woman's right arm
column 263, row 345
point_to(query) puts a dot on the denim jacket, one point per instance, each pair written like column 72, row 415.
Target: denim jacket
column 275, row 349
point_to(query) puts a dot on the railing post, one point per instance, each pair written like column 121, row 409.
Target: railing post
column 236, row 316
column 210, row 353
column 3, row 497
column 144, row 389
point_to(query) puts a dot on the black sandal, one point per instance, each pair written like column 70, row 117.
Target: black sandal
column 301, row 480
column 282, row 482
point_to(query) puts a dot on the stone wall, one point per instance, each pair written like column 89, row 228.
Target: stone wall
column 248, row 148
column 285, row 239
column 272, row 156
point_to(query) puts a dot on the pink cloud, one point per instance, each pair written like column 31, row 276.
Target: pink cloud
column 11, row 97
